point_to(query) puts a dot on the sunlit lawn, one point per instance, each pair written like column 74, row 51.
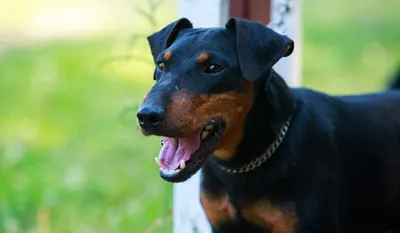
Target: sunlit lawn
column 70, row 163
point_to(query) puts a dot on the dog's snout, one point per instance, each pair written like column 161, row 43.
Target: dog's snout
column 150, row 116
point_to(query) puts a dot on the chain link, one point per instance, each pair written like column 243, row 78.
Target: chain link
column 284, row 9
column 265, row 156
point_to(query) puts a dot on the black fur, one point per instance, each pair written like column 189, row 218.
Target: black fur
column 162, row 39
column 338, row 167
column 339, row 163
column 396, row 81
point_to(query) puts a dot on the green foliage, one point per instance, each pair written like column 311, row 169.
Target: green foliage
column 350, row 46
column 68, row 161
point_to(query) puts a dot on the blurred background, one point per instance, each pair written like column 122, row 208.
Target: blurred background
column 72, row 73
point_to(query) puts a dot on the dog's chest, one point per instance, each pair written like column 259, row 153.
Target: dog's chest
column 271, row 217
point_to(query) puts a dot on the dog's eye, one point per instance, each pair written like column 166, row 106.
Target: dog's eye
column 213, row 69
column 161, row 66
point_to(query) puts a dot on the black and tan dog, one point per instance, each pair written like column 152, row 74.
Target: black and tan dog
column 274, row 159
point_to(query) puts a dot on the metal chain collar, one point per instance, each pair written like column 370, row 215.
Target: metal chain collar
column 284, row 9
column 265, row 156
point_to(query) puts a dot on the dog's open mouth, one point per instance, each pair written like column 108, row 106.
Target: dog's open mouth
column 180, row 158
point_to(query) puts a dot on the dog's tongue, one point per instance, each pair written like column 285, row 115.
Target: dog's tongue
column 175, row 150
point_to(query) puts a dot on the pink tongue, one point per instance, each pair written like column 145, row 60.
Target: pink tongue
column 177, row 149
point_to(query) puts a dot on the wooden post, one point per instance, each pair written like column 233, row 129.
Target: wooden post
column 188, row 214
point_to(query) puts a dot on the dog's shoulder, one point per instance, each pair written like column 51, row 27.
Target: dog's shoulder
column 342, row 106
column 314, row 99
column 352, row 124
column 375, row 108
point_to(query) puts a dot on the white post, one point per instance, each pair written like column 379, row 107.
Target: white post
column 290, row 67
column 188, row 215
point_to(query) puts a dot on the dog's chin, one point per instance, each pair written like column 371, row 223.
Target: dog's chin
column 182, row 157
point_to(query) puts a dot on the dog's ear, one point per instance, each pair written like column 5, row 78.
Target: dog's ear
column 161, row 40
column 258, row 47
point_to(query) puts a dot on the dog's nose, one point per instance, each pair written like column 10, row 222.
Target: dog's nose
column 150, row 116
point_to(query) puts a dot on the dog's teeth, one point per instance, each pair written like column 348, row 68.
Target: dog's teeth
column 208, row 127
column 204, row 135
column 183, row 164
column 157, row 161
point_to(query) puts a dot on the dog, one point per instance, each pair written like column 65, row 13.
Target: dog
column 396, row 81
column 273, row 158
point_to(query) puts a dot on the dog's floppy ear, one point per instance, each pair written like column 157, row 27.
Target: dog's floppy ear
column 258, row 47
column 161, row 40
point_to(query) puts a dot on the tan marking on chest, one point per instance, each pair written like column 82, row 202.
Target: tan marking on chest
column 269, row 216
column 217, row 208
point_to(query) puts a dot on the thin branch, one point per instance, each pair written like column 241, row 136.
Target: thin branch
column 148, row 16
column 154, row 5
column 135, row 38
column 120, row 57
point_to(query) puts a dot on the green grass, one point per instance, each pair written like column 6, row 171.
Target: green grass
column 69, row 164
column 65, row 152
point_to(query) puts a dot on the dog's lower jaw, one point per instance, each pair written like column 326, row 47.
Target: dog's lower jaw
column 174, row 161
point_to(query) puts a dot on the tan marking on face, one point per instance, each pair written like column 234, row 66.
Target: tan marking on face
column 269, row 216
column 167, row 55
column 235, row 114
column 202, row 57
column 217, row 208
column 189, row 114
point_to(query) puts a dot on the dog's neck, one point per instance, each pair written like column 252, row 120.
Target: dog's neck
column 272, row 109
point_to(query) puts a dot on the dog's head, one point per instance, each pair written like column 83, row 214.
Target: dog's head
column 204, row 88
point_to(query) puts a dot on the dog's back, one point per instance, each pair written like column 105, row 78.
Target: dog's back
column 365, row 130
column 373, row 151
